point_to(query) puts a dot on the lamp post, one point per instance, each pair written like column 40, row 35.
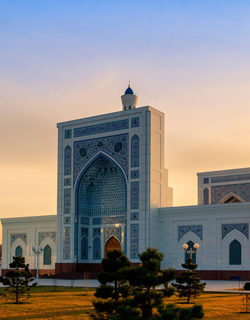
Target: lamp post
column 37, row 251
column 190, row 251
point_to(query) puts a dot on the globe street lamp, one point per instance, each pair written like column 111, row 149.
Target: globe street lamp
column 190, row 251
column 37, row 251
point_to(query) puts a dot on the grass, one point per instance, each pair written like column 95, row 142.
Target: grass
column 72, row 303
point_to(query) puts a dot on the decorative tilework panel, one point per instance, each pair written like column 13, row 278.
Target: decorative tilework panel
column 67, row 161
column 66, row 243
column 135, row 122
column 219, row 192
column 134, row 174
column 102, row 190
column 113, row 231
column 84, row 220
column 97, row 248
column 67, row 201
column 134, row 215
column 96, row 232
column 43, row 235
column 67, row 182
column 134, row 241
column 182, row 230
column 84, row 232
column 135, row 151
column 206, row 180
column 235, row 177
column 108, row 220
column 115, row 146
column 66, row 220
column 15, row 236
column 84, row 248
column 68, row 134
column 241, row 227
column 100, row 128
column 134, row 195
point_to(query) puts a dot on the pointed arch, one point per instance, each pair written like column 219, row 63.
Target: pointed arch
column 235, row 253
column 18, row 251
column 112, row 244
column 231, row 198
column 47, row 255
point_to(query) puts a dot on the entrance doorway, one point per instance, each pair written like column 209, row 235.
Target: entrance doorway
column 112, row 244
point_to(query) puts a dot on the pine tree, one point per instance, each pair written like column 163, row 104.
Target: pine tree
column 17, row 279
column 114, row 289
column 187, row 284
column 145, row 278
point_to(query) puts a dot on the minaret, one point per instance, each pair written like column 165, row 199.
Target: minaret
column 129, row 99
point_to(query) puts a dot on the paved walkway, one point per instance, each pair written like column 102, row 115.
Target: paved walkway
column 212, row 285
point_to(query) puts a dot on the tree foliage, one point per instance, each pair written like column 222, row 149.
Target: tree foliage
column 187, row 284
column 17, row 280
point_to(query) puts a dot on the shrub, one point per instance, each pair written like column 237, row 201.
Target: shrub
column 247, row 286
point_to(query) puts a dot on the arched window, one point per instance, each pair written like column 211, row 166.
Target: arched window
column 205, row 196
column 84, row 248
column 18, row 251
column 189, row 250
column 47, row 255
column 97, row 248
column 235, row 253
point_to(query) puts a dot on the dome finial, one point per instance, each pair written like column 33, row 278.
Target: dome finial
column 129, row 83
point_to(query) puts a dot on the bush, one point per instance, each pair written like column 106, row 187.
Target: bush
column 247, row 286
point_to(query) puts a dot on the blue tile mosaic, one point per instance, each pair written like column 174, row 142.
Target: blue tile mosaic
column 206, row 180
column 84, row 232
column 100, row 184
column 112, row 231
column 134, row 216
column 67, row 161
column 219, row 192
column 182, row 230
column 43, row 235
column 68, row 134
column 67, row 201
column 235, row 177
column 85, row 220
column 97, row 248
column 108, row 220
column 135, row 151
column 101, row 128
column 134, row 195
column 66, row 220
column 66, row 243
column 134, row 241
column 135, row 122
column 241, row 227
column 84, row 248
column 67, row 182
column 134, row 174
column 96, row 232
column 114, row 146
column 15, row 236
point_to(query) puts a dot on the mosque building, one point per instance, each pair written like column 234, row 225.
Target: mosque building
column 113, row 193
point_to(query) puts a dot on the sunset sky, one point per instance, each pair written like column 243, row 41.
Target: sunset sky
column 63, row 60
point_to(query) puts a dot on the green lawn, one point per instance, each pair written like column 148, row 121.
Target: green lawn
column 73, row 303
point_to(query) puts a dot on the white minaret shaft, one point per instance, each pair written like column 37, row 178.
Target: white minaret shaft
column 129, row 99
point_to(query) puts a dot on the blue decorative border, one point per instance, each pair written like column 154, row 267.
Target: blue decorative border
column 135, row 122
column 67, row 220
column 15, row 236
column 84, row 220
column 67, row 201
column 134, row 196
column 182, row 230
column 135, row 151
column 241, row 227
column 134, row 174
column 235, row 177
column 66, row 243
column 101, row 128
column 134, row 216
column 134, row 241
column 112, row 231
column 68, row 134
column 43, row 235
column 219, row 192
column 67, row 161
column 108, row 220
column 97, row 244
